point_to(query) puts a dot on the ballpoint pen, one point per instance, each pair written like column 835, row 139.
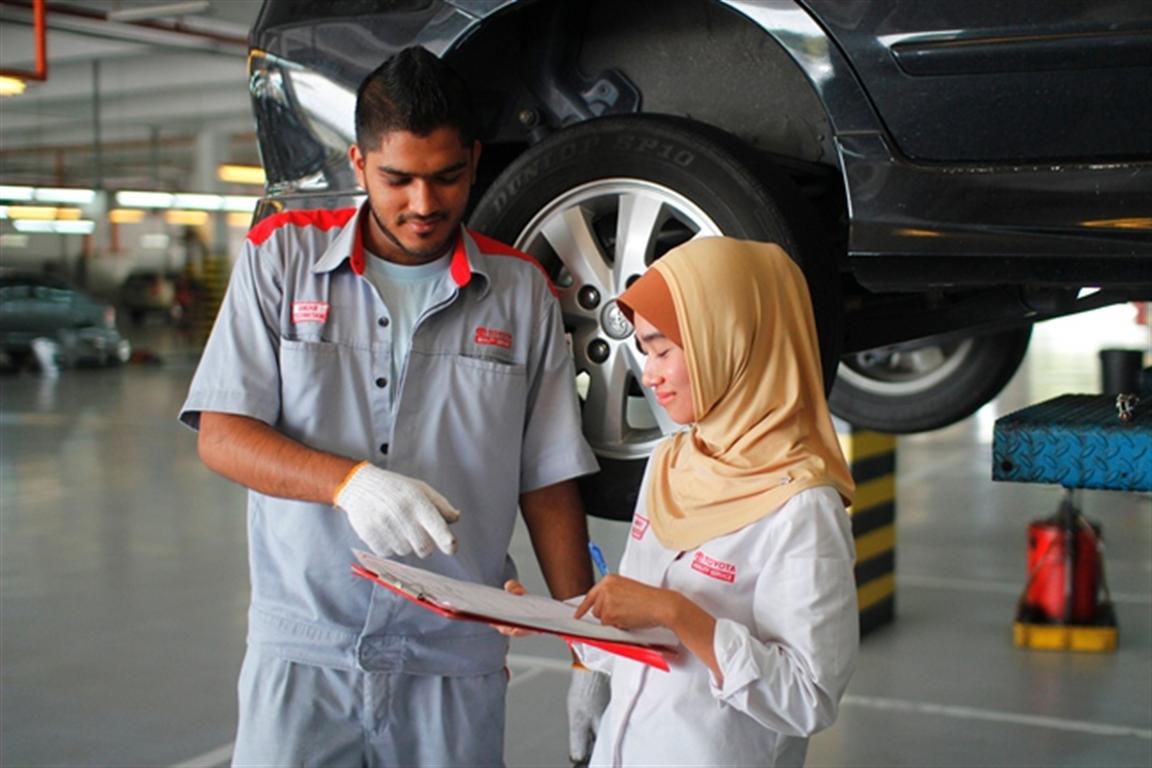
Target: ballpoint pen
column 598, row 559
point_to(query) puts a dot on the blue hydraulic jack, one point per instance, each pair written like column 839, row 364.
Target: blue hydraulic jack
column 1076, row 441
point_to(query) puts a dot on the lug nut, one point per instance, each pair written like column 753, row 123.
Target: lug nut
column 588, row 297
column 598, row 351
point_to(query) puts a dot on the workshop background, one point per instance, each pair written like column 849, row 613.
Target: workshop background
column 123, row 574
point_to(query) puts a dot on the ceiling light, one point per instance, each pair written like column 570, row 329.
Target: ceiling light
column 241, row 174
column 11, row 86
column 48, row 194
column 60, row 195
column 15, row 193
column 32, row 212
column 83, row 227
column 144, row 199
column 195, row 202
column 143, row 12
column 240, row 203
column 187, row 218
column 126, row 215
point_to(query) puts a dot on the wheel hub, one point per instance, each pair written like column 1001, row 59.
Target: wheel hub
column 613, row 321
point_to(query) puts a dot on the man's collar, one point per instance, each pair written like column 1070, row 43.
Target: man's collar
column 467, row 260
column 349, row 244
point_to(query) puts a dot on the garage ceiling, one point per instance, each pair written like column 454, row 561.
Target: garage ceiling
column 135, row 92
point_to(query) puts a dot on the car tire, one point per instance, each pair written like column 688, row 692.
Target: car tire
column 928, row 384
column 596, row 204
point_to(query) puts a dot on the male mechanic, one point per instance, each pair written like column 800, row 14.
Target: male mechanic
column 383, row 375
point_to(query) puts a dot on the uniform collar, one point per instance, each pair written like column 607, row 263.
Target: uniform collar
column 467, row 260
column 348, row 245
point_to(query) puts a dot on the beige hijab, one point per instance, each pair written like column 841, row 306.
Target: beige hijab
column 763, row 432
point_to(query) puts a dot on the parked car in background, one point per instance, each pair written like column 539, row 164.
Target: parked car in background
column 69, row 327
column 150, row 293
column 946, row 173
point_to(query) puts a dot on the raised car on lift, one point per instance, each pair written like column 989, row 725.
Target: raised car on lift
column 947, row 174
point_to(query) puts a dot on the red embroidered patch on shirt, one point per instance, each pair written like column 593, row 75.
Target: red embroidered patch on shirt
column 309, row 312
column 714, row 569
column 493, row 338
column 639, row 527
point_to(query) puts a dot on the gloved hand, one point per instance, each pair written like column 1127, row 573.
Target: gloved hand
column 588, row 695
column 395, row 515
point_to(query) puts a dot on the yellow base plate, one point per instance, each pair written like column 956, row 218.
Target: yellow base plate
column 1049, row 637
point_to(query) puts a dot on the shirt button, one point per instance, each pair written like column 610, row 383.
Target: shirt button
column 384, row 448
column 382, row 322
column 381, row 382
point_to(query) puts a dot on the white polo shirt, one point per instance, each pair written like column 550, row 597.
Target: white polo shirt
column 485, row 409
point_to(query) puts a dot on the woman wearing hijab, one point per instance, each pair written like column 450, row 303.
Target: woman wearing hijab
column 740, row 543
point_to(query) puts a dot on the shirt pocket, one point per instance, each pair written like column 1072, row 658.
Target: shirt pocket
column 324, row 389
column 498, row 365
column 487, row 387
column 477, row 406
column 302, row 356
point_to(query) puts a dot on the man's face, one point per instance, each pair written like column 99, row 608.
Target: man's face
column 417, row 191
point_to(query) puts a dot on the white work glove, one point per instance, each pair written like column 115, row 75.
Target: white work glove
column 395, row 515
column 588, row 695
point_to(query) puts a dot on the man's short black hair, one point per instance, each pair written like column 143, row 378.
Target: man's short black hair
column 413, row 91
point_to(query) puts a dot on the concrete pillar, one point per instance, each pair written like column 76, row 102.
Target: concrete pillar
column 211, row 150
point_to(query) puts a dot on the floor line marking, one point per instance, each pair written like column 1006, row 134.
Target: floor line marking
column 518, row 678
column 210, row 759
column 999, row 587
column 973, row 713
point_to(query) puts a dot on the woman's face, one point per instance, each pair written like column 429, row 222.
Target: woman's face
column 665, row 371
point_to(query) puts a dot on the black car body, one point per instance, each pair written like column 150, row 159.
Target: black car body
column 946, row 173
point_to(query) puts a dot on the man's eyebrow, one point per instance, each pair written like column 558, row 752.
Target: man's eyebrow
column 440, row 172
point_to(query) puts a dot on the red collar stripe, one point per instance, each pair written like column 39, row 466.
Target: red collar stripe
column 324, row 219
column 356, row 259
column 488, row 245
column 460, row 269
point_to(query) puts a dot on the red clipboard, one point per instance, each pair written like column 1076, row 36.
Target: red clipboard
column 653, row 654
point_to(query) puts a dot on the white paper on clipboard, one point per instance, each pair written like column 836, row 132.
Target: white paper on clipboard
column 530, row 611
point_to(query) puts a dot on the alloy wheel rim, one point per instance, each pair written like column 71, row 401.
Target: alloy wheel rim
column 594, row 240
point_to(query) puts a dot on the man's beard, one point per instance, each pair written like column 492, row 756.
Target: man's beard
column 423, row 255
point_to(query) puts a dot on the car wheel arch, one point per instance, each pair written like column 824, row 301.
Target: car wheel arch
column 498, row 55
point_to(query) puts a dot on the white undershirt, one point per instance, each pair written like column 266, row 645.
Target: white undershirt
column 406, row 291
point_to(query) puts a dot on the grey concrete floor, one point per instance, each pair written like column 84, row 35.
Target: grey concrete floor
column 123, row 589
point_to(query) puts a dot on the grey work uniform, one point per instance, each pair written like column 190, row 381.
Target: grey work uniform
column 485, row 410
